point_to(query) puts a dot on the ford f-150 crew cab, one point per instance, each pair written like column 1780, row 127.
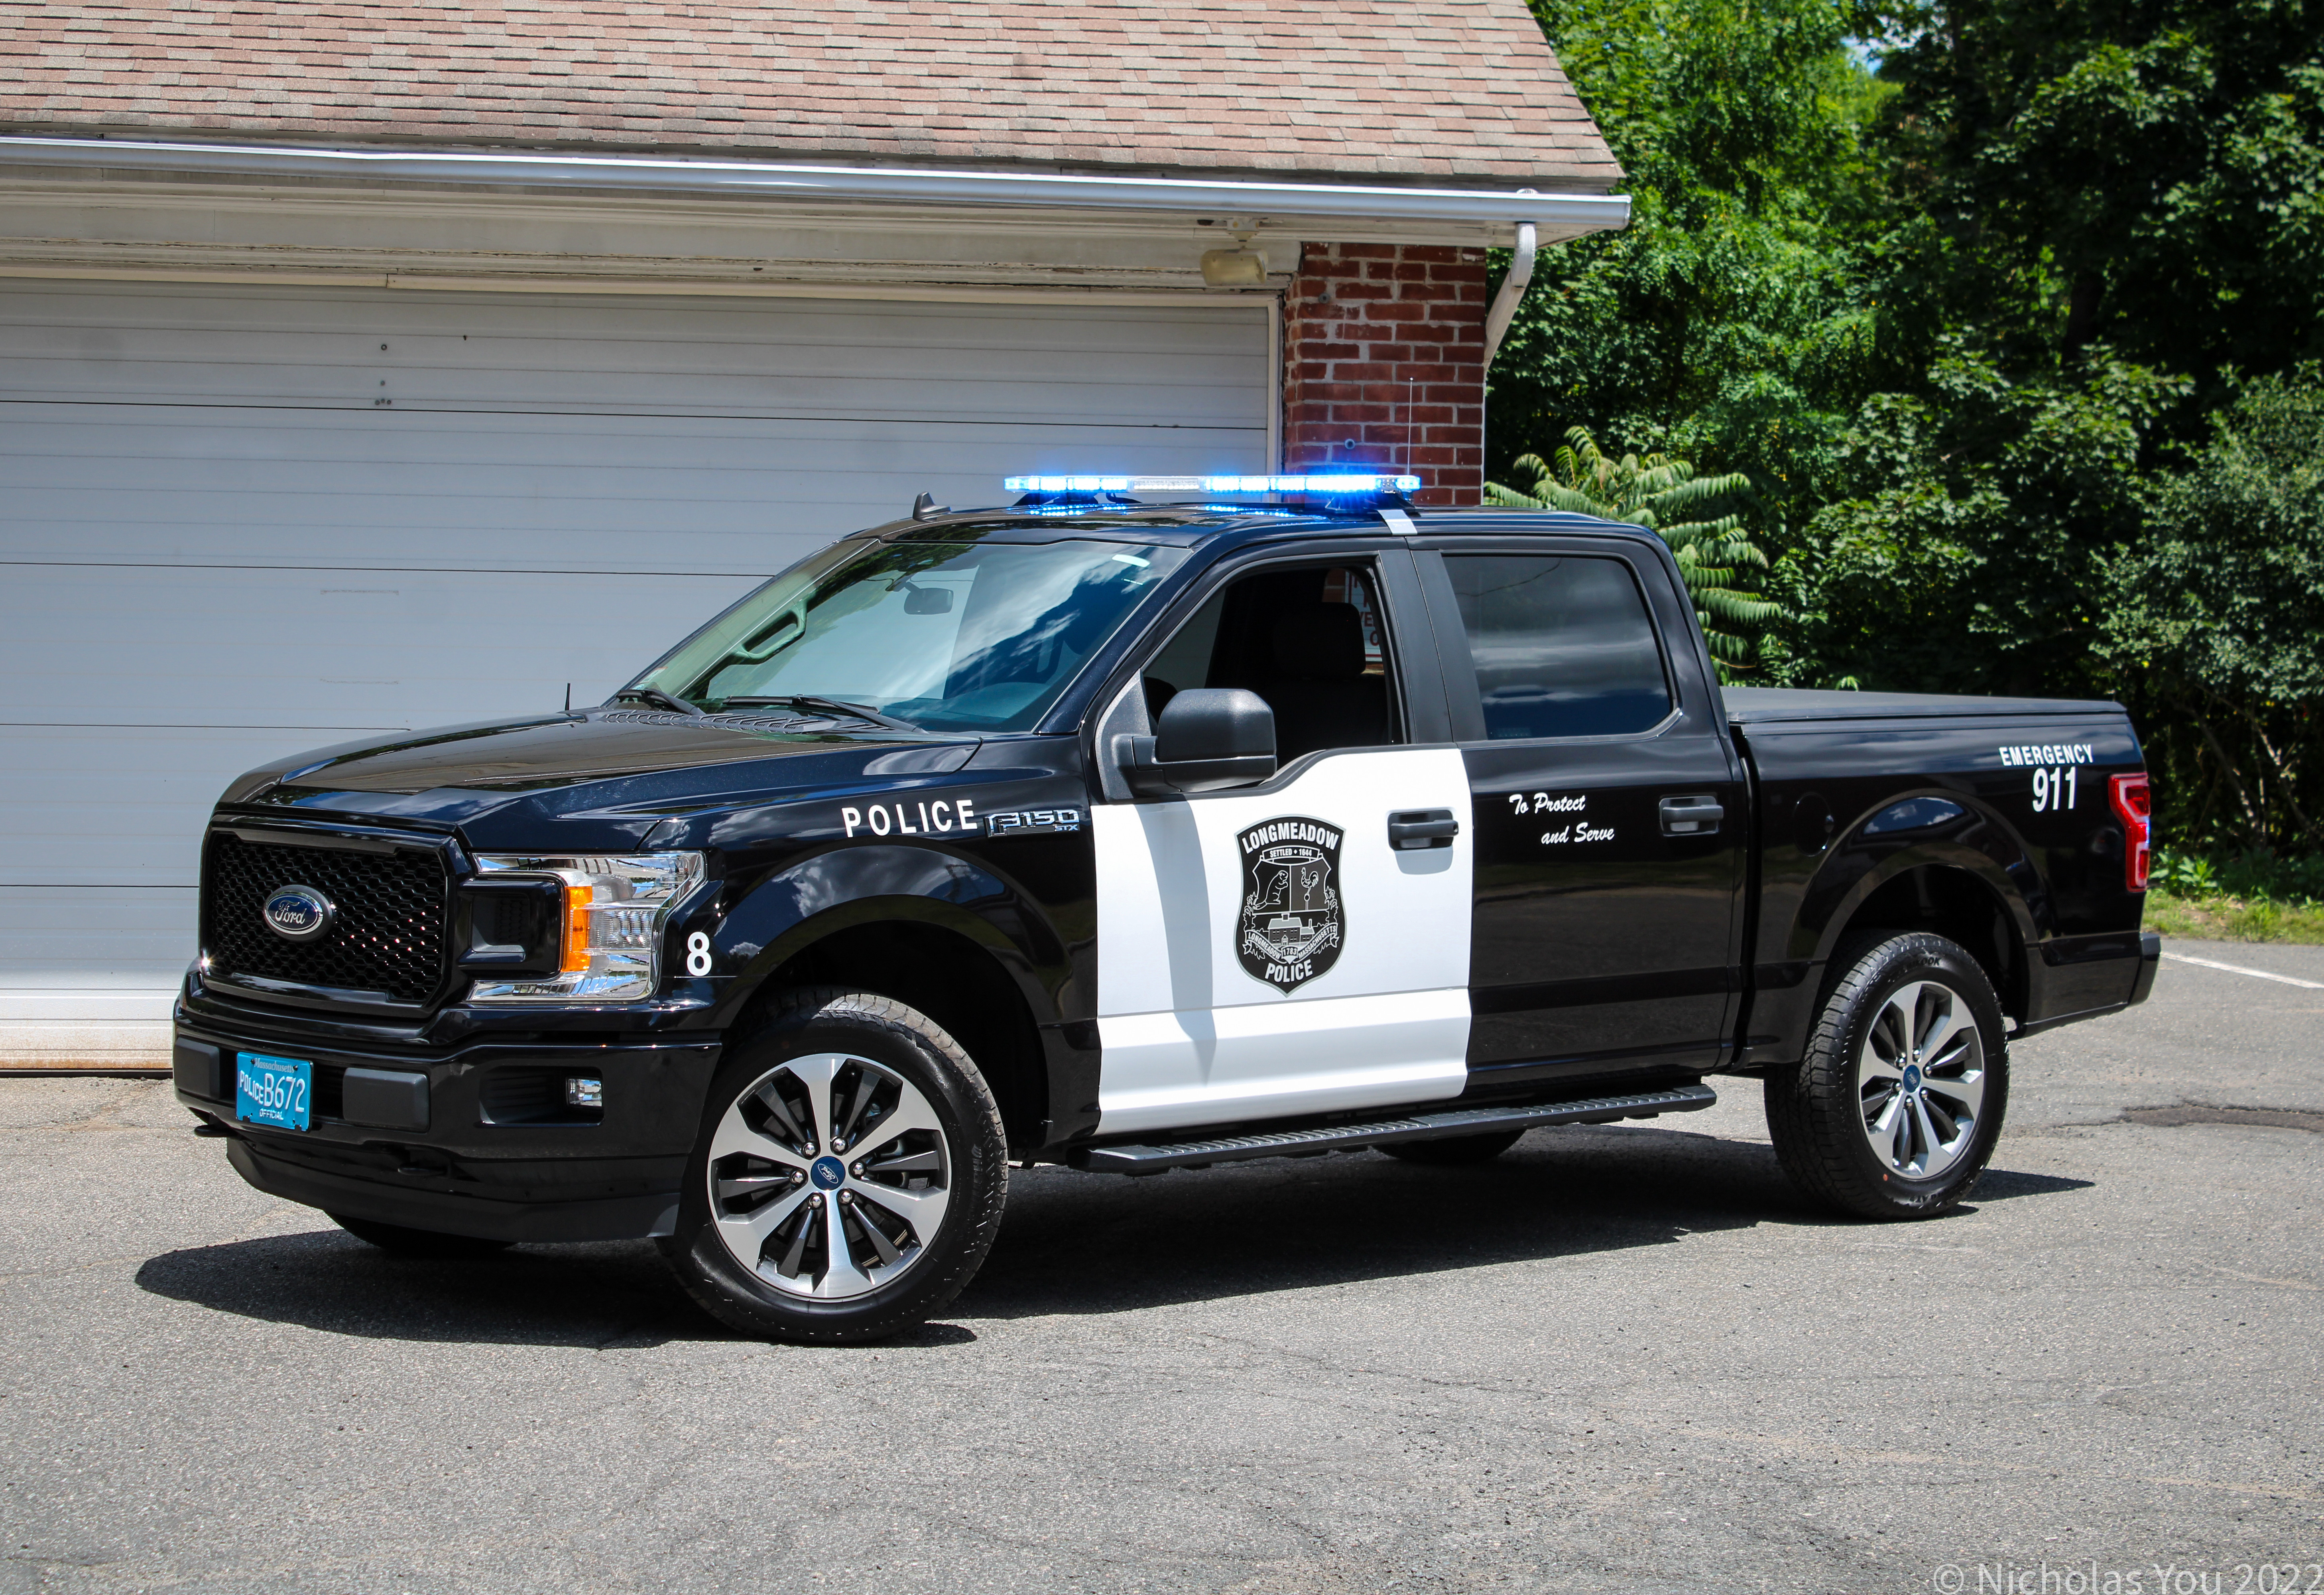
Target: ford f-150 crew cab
column 1137, row 835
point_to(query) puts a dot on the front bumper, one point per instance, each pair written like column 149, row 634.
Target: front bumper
column 421, row 1198
column 471, row 1142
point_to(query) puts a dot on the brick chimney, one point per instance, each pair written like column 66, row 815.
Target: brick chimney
column 1383, row 364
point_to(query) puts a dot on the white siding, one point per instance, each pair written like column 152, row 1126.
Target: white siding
column 233, row 525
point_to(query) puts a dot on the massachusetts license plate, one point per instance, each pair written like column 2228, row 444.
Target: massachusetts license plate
column 277, row 1091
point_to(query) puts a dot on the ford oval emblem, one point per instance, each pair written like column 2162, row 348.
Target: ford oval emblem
column 299, row 913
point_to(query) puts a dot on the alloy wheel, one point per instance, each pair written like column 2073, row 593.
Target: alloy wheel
column 1920, row 1080
column 829, row 1177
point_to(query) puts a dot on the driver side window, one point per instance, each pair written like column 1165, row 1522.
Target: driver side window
column 1310, row 641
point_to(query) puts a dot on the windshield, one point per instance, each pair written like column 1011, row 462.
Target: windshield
column 948, row 636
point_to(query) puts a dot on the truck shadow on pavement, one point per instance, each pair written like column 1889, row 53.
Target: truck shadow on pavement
column 601, row 1297
column 1079, row 1243
column 1075, row 1243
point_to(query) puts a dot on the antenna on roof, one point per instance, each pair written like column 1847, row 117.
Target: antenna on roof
column 1407, row 423
column 924, row 507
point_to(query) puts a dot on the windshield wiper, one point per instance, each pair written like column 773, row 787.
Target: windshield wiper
column 805, row 701
column 655, row 694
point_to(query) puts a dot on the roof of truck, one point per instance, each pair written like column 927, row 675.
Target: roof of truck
column 1190, row 523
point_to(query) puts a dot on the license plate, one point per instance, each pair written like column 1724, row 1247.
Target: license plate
column 276, row 1091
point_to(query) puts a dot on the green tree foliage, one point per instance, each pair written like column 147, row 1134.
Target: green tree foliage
column 2144, row 174
column 1732, row 322
column 1665, row 496
column 1962, row 322
column 1974, row 556
column 2217, row 618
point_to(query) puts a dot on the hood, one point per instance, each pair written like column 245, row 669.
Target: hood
column 632, row 759
column 530, row 755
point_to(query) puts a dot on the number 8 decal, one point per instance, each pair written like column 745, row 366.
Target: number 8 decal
column 698, row 952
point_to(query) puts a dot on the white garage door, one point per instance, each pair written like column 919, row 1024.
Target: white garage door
column 237, row 522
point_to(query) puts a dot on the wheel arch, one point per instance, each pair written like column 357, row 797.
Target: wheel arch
column 929, row 928
column 1970, row 882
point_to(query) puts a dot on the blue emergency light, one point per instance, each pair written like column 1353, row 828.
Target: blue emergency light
column 1336, row 485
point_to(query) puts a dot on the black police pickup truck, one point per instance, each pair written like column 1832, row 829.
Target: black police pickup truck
column 1137, row 836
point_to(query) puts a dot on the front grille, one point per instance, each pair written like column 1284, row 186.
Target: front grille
column 389, row 936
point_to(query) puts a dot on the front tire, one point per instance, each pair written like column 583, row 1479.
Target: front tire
column 848, row 1178
column 1897, row 1107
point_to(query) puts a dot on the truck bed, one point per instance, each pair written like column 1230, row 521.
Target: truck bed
column 1755, row 706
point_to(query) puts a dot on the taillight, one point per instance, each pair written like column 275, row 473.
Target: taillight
column 2135, row 809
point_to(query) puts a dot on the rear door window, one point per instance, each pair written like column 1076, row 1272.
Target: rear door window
column 1563, row 645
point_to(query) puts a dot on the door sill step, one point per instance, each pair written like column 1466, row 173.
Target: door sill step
column 1417, row 1127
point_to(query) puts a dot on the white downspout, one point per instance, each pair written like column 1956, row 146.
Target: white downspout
column 1513, row 287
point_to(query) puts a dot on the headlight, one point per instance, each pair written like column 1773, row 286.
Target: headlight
column 609, row 928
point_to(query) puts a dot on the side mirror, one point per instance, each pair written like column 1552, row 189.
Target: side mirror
column 1208, row 738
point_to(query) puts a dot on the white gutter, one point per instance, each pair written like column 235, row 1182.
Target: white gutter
column 1564, row 215
column 1513, row 287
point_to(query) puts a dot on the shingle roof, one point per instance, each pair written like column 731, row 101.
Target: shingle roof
column 1447, row 90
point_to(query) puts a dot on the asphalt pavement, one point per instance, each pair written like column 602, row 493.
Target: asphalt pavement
column 1624, row 1358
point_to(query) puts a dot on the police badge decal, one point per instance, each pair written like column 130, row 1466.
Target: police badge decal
column 1293, row 924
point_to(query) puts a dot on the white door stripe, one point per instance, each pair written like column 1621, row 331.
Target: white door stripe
column 2257, row 974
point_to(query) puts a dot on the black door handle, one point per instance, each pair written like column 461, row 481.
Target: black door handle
column 1694, row 815
column 1415, row 828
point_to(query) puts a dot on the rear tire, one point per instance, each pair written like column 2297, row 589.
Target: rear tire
column 406, row 1242
column 1897, row 1107
column 1455, row 1151
column 848, row 1178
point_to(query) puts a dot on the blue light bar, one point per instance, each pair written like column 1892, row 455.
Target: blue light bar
column 1334, row 485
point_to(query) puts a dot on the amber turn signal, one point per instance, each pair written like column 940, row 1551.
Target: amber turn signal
column 578, row 899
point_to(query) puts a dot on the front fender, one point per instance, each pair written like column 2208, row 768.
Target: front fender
column 810, row 898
